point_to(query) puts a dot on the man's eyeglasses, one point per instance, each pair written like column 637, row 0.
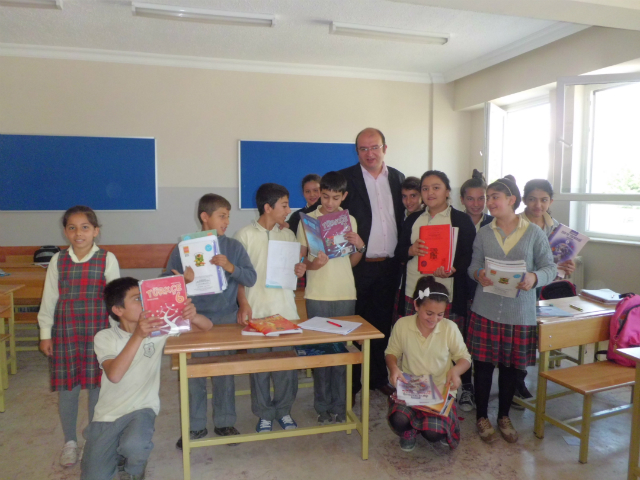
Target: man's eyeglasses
column 373, row 148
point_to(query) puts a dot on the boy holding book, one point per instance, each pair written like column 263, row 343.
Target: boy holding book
column 331, row 292
column 119, row 437
column 273, row 205
column 220, row 309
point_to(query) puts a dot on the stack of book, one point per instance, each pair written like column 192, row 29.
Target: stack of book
column 441, row 241
column 604, row 295
column 272, row 326
column 505, row 274
column 420, row 392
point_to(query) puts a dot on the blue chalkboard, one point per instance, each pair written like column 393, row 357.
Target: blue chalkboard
column 41, row 172
column 286, row 163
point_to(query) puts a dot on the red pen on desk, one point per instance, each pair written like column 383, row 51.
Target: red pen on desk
column 333, row 323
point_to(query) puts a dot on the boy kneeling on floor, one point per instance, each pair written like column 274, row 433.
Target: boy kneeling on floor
column 119, row 437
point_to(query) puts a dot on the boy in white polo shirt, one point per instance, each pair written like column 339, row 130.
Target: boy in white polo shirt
column 273, row 205
column 119, row 437
column 331, row 292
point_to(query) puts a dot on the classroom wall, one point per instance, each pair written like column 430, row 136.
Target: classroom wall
column 582, row 52
column 197, row 117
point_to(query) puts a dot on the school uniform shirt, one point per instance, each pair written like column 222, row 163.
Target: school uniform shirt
column 432, row 355
column 266, row 301
column 51, row 294
column 225, row 303
column 527, row 242
column 413, row 275
column 485, row 219
column 140, row 386
column 549, row 222
column 334, row 281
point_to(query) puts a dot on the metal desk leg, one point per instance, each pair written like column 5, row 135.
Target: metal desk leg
column 366, row 350
column 634, row 444
column 184, row 416
column 349, row 390
column 12, row 341
column 541, row 395
column 582, row 350
column 5, row 371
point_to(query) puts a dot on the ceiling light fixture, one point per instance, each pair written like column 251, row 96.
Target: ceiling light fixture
column 201, row 14
column 385, row 33
column 33, row 3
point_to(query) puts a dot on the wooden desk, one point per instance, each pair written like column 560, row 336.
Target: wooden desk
column 634, row 444
column 228, row 337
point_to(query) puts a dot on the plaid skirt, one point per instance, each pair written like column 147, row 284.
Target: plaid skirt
column 429, row 422
column 493, row 342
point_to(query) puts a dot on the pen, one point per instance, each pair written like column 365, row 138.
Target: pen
column 576, row 308
column 333, row 323
column 302, row 260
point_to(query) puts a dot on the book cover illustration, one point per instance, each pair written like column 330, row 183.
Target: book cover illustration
column 197, row 254
column 204, row 233
column 566, row 243
column 327, row 234
column 165, row 298
column 506, row 275
column 274, row 324
column 320, row 349
column 418, row 390
column 440, row 241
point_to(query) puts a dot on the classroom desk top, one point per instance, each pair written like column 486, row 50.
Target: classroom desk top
column 630, row 353
column 228, row 337
column 589, row 309
column 4, row 289
column 31, row 277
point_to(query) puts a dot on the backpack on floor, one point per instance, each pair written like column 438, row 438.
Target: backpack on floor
column 559, row 289
column 624, row 329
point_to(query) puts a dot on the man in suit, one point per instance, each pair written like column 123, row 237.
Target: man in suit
column 375, row 200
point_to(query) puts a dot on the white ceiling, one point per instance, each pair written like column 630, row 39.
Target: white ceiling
column 300, row 38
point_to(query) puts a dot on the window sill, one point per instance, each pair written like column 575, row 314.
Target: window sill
column 613, row 241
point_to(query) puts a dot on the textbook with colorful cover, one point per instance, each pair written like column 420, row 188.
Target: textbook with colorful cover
column 165, row 298
column 418, row 390
column 566, row 244
column 327, row 234
column 197, row 254
column 204, row 233
column 320, row 349
column 272, row 326
column 441, row 240
column 506, row 275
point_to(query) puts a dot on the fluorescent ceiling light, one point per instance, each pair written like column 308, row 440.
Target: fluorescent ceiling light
column 385, row 33
column 33, row 3
column 201, row 14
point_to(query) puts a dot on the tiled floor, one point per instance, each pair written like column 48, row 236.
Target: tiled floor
column 31, row 438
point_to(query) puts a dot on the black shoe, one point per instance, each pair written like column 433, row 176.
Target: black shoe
column 523, row 391
column 193, row 435
column 386, row 389
column 225, row 432
column 514, row 405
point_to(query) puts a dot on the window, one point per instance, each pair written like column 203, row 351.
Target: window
column 597, row 154
column 518, row 141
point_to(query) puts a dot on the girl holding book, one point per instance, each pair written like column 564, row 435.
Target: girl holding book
column 436, row 191
column 502, row 330
column 71, row 313
column 473, row 195
column 426, row 343
column 538, row 197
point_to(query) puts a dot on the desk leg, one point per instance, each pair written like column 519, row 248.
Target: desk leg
column 366, row 351
column 541, row 395
column 12, row 340
column 5, row 371
column 582, row 350
column 349, row 389
column 634, row 444
column 184, row 416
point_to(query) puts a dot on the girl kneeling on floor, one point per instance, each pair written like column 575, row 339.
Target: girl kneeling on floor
column 427, row 343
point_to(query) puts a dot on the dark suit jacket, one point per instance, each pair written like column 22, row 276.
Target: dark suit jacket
column 464, row 249
column 358, row 199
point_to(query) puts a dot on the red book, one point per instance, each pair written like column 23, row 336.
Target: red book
column 165, row 298
column 438, row 238
column 274, row 325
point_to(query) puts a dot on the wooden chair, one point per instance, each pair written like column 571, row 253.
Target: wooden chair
column 4, row 384
column 587, row 379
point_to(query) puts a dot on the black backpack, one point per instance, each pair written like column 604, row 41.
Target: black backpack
column 44, row 254
column 559, row 289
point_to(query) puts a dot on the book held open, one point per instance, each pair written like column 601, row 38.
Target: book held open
column 327, row 234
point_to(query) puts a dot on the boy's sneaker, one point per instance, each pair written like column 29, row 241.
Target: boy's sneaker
column 69, row 454
column 325, row 418
column 287, row 423
column 408, row 441
column 522, row 391
column 466, row 400
column 517, row 406
column 225, row 432
column 264, row 426
column 341, row 417
column 193, row 435
column 506, row 429
column 486, row 431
